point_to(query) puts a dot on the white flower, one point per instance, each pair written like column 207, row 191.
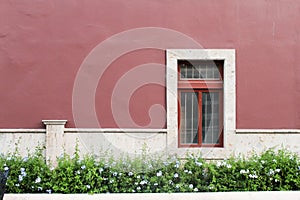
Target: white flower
column 244, row 171
column 228, row 166
column 49, row 191
column 190, row 172
column 277, row 170
column 155, row 184
column 101, row 170
column 271, row 172
column 38, row 180
column 115, row 173
column 191, row 186
column 262, row 162
column 219, row 164
column 196, row 190
column 20, row 178
column 138, row 176
column 199, row 164
column 186, row 171
column 83, row 167
column 159, row 173
column 17, row 185
column 23, row 173
column 176, row 175
column 88, row 186
column 6, row 168
column 177, row 186
column 130, row 173
column 78, row 172
column 276, row 180
column 143, row 182
column 138, row 188
column 253, row 176
column 111, row 181
column 275, row 161
column 176, row 165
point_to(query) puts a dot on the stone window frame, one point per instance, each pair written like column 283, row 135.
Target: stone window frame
column 229, row 91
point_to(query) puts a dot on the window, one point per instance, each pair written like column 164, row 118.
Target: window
column 201, row 99
column 200, row 92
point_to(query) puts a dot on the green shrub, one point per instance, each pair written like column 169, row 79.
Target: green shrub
column 265, row 172
column 29, row 174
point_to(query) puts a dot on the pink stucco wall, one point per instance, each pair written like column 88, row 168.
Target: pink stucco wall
column 43, row 43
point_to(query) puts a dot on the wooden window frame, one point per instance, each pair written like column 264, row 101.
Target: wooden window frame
column 200, row 86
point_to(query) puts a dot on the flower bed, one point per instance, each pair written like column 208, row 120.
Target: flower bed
column 270, row 171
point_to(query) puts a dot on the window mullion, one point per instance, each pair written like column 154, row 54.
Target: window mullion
column 199, row 117
column 185, row 118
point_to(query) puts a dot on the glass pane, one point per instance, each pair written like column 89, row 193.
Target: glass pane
column 190, row 70
column 183, row 71
column 199, row 69
column 189, row 118
column 210, row 117
column 197, row 72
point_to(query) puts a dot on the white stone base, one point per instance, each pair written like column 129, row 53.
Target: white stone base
column 280, row 195
column 105, row 142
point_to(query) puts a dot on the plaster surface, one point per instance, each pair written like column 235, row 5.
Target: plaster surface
column 43, row 44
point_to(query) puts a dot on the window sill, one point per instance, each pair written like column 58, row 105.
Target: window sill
column 267, row 131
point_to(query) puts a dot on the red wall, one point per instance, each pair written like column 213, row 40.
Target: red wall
column 43, row 43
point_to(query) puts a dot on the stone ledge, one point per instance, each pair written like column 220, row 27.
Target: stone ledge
column 54, row 122
column 267, row 131
column 22, row 130
column 274, row 195
column 114, row 130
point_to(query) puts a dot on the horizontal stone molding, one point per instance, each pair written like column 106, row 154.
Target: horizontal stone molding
column 54, row 122
column 87, row 130
column 113, row 130
column 22, row 130
column 267, row 131
column 274, row 195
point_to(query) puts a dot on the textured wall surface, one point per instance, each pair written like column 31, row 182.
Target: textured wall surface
column 43, row 43
column 135, row 142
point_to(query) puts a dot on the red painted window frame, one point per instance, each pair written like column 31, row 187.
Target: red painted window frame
column 201, row 86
